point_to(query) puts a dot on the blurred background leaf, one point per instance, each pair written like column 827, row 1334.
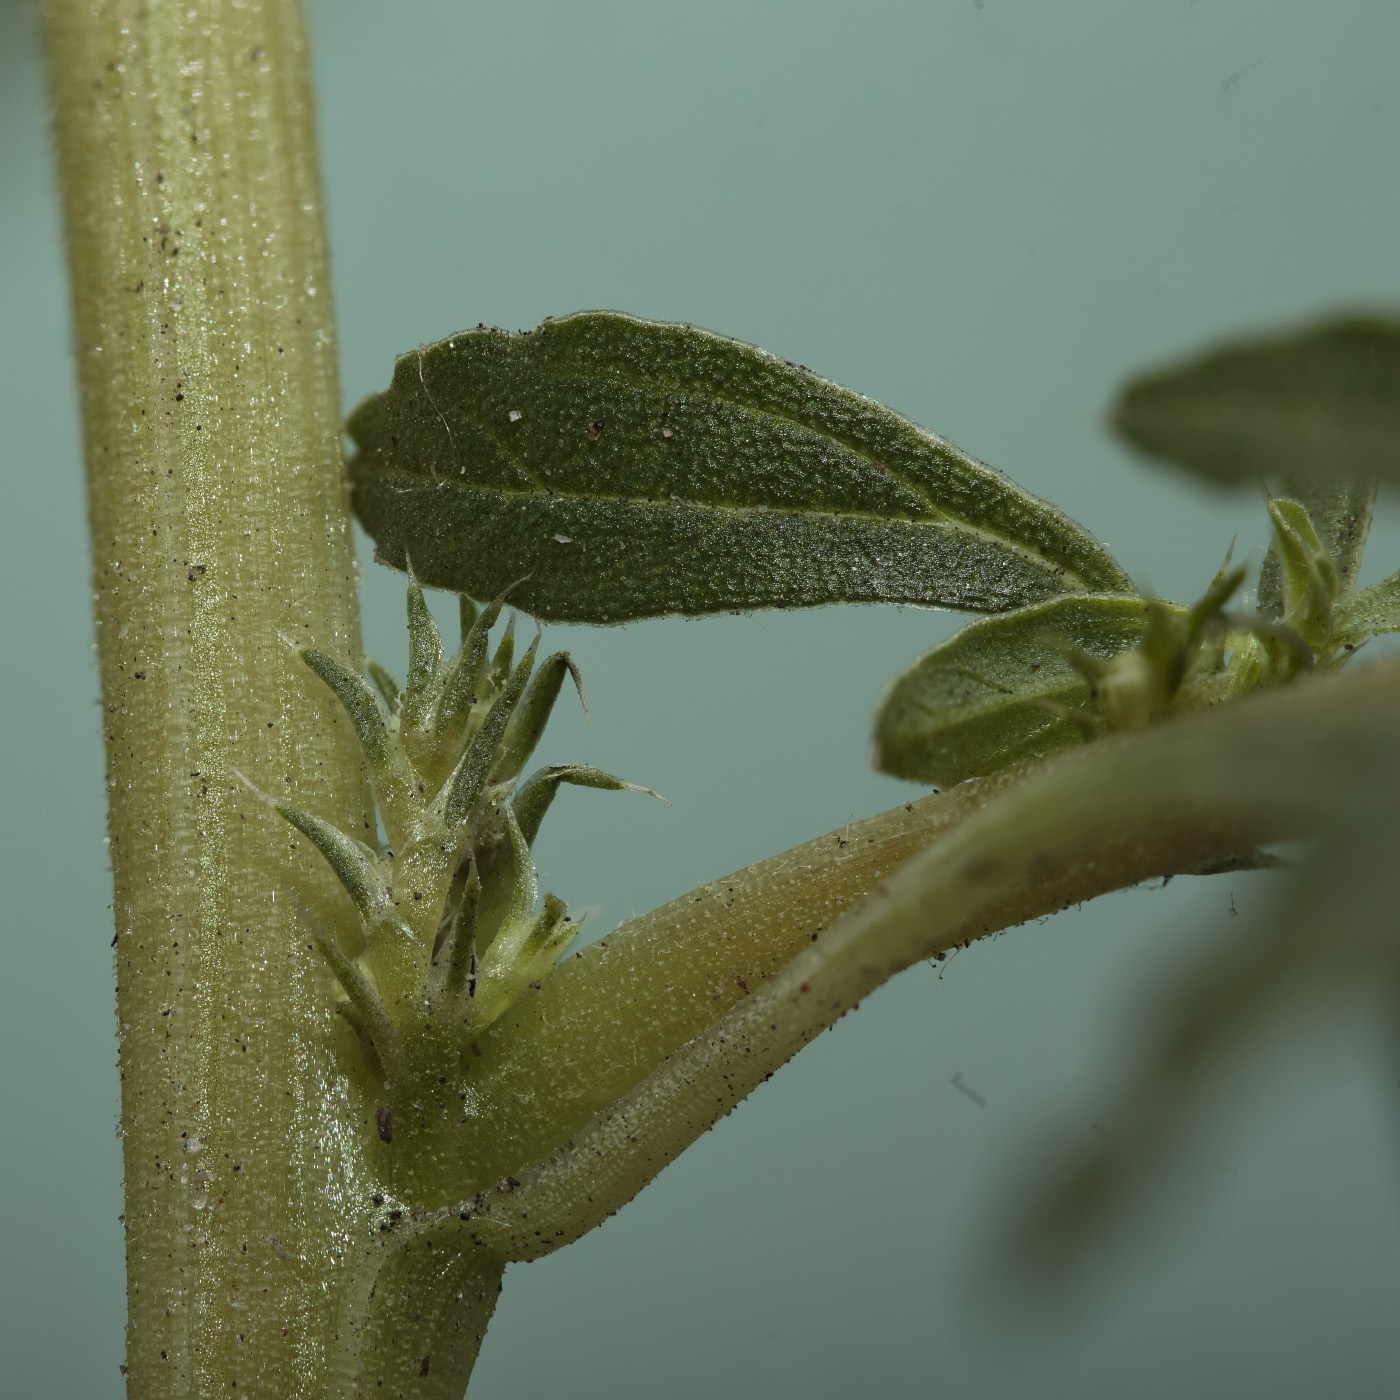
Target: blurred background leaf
column 1313, row 413
column 1324, row 953
column 1317, row 404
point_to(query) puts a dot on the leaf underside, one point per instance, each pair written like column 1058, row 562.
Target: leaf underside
column 977, row 703
column 614, row 469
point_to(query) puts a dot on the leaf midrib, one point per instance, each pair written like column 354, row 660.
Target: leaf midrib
column 669, row 504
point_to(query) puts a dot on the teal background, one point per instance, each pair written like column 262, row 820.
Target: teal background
column 983, row 213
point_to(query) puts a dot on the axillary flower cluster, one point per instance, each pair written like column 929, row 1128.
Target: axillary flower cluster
column 450, row 934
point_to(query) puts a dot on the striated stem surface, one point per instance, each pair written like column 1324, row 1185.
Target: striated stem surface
column 206, row 357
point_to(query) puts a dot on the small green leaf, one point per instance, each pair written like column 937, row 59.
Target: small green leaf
column 395, row 788
column 500, row 663
column 366, row 710
column 356, row 866
column 369, row 1015
column 459, row 952
column 1323, row 403
column 465, row 679
column 1341, row 514
column 527, row 724
column 355, row 1019
column 466, row 614
column 521, row 899
column 464, row 788
column 387, row 685
column 1002, row 690
column 424, row 658
column 1307, row 575
column 632, row 469
column 1368, row 613
column 539, row 790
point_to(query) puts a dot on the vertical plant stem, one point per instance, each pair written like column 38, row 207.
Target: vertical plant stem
column 207, row 362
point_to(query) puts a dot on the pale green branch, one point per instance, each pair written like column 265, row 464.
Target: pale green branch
column 1275, row 767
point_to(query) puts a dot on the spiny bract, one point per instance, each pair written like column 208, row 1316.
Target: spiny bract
column 451, row 934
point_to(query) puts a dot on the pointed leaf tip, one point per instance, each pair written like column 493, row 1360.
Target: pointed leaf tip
column 356, row 866
column 638, row 469
column 464, row 787
column 424, row 657
column 537, row 793
column 388, row 687
column 365, row 708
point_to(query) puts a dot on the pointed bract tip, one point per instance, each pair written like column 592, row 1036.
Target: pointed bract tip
column 510, row 588
column 252, row 786
column 578, row 685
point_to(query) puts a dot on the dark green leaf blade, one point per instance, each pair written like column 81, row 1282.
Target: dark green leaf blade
column 632, row 469
column 1322, row 403
column 987, row 697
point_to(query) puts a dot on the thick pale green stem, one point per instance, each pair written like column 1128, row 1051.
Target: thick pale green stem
column 206, row 353
column 1300, row 761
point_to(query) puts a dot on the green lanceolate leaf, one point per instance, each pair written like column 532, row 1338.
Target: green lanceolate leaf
column 1323, row 403
column 424, row 657
column 367, row 1011
column 1307, row 577
column 536, row 794
column 468, row 780
column 1341, row 513
column 467, row 614
column 527, row 724
column 460, row 950
column 467, row 677
column 1003, row 690
column 355, row 864
column 364, row 707
column 387, row 686
column 1368, row 613
column 632, row 469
